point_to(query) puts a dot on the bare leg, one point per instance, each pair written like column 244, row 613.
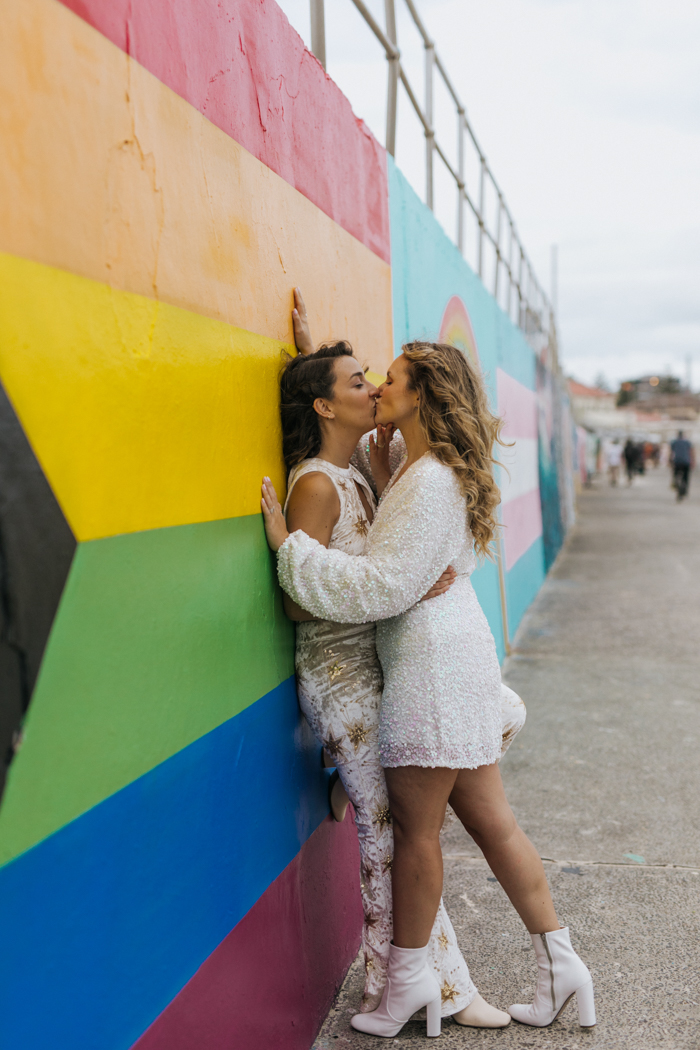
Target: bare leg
column 479, row 800
column 418, row 800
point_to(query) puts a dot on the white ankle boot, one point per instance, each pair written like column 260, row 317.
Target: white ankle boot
column 410, row 985
column 561, row 975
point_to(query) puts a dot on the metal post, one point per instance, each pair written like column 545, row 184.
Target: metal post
column 500, row 558
column 511, row 242
column 554, row 290
column 429, row 135
column 460, row 184
column 498, row 248
column 318, row 31
column 393, row 85
column 482, row 191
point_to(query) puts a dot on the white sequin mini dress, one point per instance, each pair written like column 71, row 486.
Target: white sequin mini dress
column 441, row 705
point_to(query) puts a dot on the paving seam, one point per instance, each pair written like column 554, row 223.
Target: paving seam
column 585, row 863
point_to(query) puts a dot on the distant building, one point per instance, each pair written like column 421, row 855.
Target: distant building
column 649, row 388
column 651, row 408
column 592, row 407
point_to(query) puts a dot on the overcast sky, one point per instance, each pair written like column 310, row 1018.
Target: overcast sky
column 589, row 114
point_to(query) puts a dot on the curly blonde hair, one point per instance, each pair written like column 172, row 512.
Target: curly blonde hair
column 460, row 428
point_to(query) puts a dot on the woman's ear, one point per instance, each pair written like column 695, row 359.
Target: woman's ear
column 323, row 409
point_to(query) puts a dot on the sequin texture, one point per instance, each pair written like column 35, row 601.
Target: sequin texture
column 442, row 681
column 339, row 682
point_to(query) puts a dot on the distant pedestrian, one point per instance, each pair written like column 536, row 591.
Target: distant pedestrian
column 682, row 461
column 641, row 458
column 631, row 454
column 614, row 455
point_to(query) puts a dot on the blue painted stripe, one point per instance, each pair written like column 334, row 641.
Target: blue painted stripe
column 523, row 582
column 104, row 921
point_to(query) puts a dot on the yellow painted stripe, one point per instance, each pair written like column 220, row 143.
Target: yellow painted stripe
column 107, row 173
column 141, row 414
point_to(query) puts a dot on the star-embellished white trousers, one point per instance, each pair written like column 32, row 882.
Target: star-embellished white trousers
column 339, row 682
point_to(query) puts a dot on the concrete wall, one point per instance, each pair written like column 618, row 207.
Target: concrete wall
column 169, row 875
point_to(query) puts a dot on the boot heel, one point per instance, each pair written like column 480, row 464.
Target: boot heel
column 434, row 1019
column 586, row 1005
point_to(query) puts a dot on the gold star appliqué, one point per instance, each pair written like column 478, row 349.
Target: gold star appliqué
column 361, row 526
column 357, row 733
column 368, row 873
column 443, row 940
column 369, row 963
column 448, row 992
column 335, row 671
column 388, row 863
column 371, row 921
column 382, row 816
column 334, row 746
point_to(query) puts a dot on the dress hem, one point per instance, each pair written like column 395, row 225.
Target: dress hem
column 396, row 760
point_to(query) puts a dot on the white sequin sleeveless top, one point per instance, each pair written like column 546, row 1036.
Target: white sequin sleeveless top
column 352, row 528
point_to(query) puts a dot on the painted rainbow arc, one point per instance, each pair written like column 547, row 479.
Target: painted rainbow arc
column 456, row 328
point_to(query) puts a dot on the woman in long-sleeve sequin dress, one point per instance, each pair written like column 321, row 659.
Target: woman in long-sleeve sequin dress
column 440, row 730
column 339, row 678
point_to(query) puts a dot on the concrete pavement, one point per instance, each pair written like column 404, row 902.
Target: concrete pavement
column 605, row 779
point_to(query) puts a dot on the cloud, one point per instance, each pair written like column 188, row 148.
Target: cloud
column 589, row 114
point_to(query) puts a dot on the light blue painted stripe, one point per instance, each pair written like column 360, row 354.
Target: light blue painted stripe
column 426, row 270
column 523, row 582
column 488, row 591
column 104, row 921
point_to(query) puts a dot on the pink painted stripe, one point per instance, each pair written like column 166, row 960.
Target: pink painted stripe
column 517, row 405
column 240, row 63
column 522, row 518
column 271, row 982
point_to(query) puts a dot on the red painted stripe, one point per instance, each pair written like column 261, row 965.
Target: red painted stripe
column 271, row 982
column 522, row 518
column 240, row 63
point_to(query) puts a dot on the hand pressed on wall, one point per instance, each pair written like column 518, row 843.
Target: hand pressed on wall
column 273, row 517
column 300, row 323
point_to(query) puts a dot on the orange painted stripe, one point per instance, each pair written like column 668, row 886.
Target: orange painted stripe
column 109, row 174
column 243, row 66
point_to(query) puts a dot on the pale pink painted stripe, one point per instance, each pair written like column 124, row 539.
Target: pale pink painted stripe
column 517, row 405
column 522, row 518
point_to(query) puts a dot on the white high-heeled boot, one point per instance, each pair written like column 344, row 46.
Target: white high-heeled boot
column 561, row 975
column 410, row 985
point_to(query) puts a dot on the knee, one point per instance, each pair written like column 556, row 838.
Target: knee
column 417, row 838
column 494, row 827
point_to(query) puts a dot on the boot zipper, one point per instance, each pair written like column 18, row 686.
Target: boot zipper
column 551, row 970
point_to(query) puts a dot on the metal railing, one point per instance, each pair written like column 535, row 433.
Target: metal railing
column 522, row 297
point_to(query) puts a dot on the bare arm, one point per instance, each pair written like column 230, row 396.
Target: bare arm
column 313, row 507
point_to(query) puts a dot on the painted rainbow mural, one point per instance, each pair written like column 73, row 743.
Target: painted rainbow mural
column 456, row 328
column 169, row 874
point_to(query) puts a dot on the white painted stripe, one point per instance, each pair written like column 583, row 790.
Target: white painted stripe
column 522, row 463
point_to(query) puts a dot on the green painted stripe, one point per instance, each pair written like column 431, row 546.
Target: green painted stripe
column 160, row 637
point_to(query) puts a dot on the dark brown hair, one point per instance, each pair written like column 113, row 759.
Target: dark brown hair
column 303, row 380
column 460, row 428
